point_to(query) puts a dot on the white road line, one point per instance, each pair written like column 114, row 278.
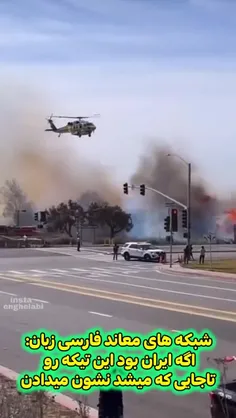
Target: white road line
column 193, row 277
column 96, row 259
column 95, row 275
column 195, row 295
column 108, row 272
column 8, row 294
column 98, row 274
column 101, row 272
column 167, row 281
column 188, row 284
column 100, row 314
column 38, row 271
column 180, row 283
column 39, row 300
column 97, row 268
column 114, row 270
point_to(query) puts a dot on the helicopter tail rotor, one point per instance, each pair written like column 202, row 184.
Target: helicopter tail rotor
column 49, row 119
column 52, row 125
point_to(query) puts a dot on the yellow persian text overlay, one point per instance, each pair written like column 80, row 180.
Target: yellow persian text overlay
column 119, row 359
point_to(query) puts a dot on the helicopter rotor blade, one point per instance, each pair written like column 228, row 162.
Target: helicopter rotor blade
column 77, row 117
column 63, row 117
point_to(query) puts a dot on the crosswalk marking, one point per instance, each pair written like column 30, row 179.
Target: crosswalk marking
column 107, row 271
column 100, row 270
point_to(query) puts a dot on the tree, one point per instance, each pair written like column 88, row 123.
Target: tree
column 87, row 197
column 63, row 217
column 15, row 201
column 113, row 216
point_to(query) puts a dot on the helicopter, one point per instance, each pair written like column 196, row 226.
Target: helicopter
column 79, row 127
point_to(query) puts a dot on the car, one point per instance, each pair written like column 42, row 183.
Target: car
column 141, row 251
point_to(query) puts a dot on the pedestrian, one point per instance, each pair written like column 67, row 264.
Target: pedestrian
column 202, row 255
column 78, row 243
column 115, row 251
column 191, row 253
column 25, row 238
column 186, row 255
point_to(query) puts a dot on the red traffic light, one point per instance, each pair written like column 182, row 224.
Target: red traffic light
column 174, row 216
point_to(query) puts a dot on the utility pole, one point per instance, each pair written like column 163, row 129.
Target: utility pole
column 77, row 224
column 188, row 195
column 17, row 217
column 189, row 204
column 171, row 237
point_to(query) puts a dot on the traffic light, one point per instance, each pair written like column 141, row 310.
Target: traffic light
column 174, row 220
column 167, row 224
column 36, row 216
column 43, row 217
column 142, row 189
column 184, row 219
column 125, row 187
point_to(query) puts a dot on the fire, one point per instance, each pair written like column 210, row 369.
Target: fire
column 231, row 215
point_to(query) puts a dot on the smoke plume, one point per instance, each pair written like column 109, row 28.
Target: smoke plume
column 169, row 175
column 52, row 169
column 48, row 168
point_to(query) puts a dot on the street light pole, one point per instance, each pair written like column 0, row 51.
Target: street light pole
column 189, row 204
column 188, row 195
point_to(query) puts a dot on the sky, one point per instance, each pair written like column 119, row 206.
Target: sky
column 154, row 69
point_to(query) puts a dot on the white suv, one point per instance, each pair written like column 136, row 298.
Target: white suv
column 141, row 251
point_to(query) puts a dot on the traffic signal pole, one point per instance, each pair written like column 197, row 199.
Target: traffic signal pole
column 159, row 193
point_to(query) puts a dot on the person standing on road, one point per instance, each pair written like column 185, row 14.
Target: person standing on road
column 78, row 243
column 25, row 238
column 191, row 253
column 202, row 255
column 186, row 254
column 115, row 252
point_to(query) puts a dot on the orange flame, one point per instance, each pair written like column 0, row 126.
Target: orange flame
column 231, row 215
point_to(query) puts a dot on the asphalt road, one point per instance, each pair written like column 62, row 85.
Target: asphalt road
column 90, row 290
column 103, row 250
column 24, row 253
column 178, row 248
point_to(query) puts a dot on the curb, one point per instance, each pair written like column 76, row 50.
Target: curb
column 186, row 270
column 62, row 400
